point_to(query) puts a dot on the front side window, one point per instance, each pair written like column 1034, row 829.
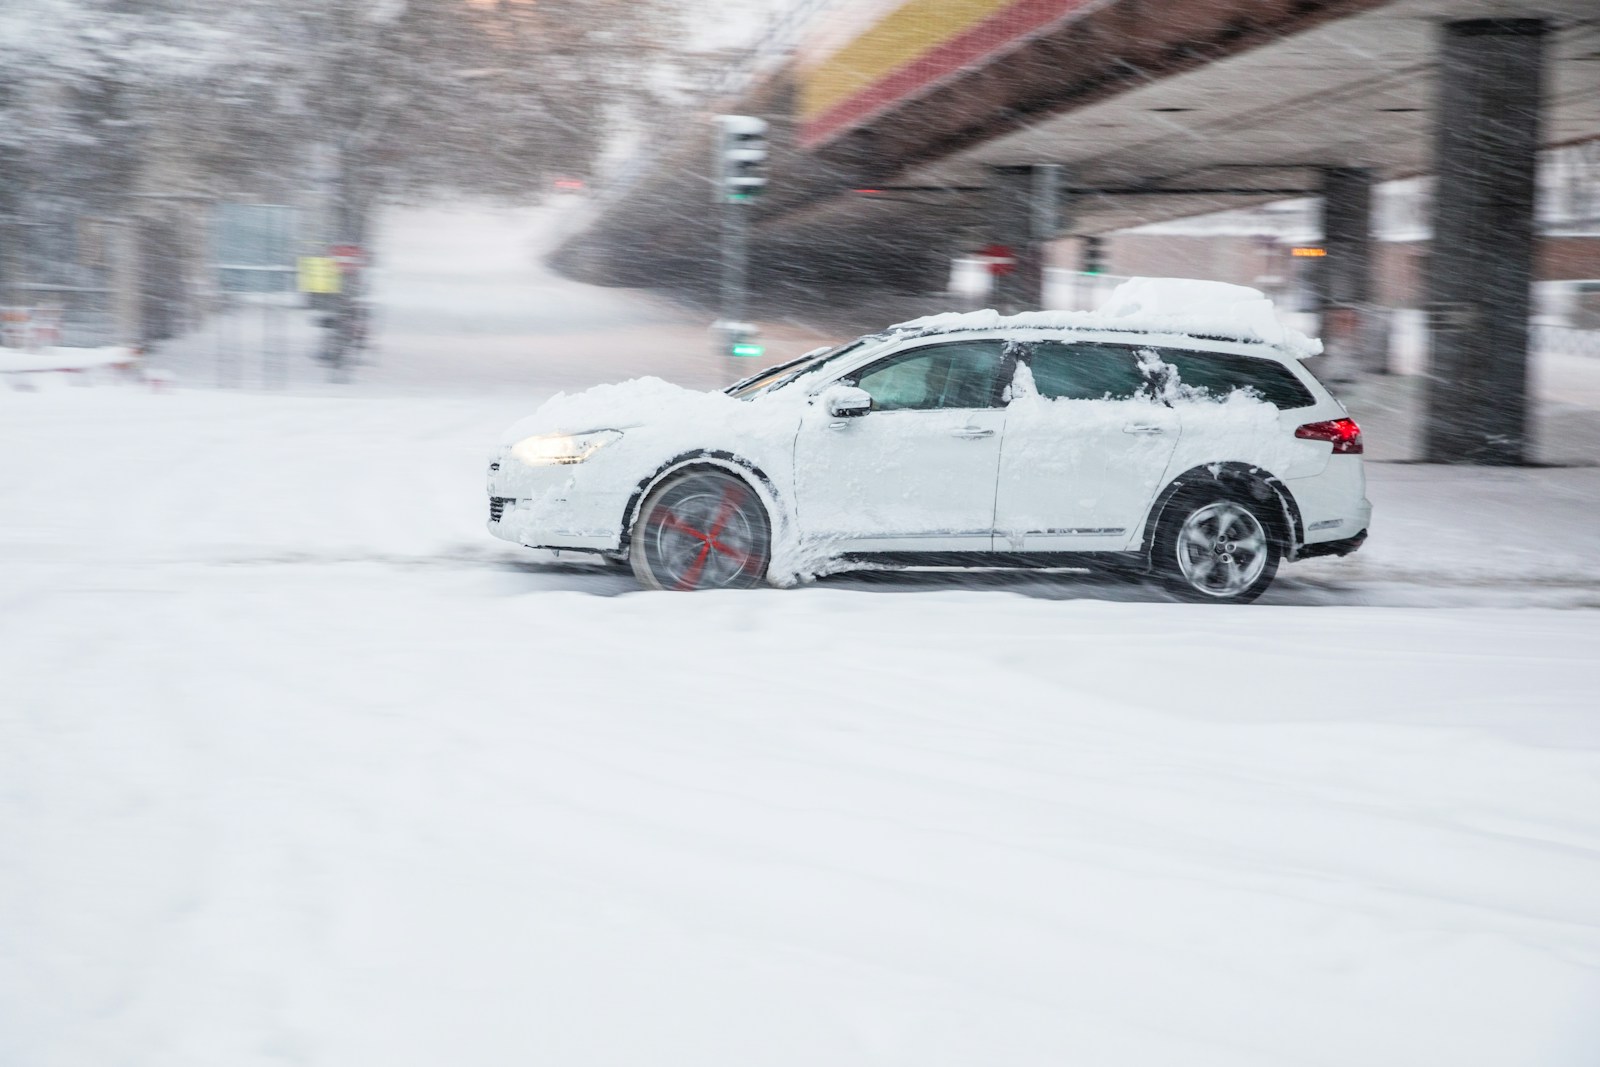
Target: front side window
column 1218, row 374
column 1085, row 370
column 963, row 374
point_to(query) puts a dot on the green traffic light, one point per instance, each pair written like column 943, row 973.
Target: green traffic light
column 742, row 349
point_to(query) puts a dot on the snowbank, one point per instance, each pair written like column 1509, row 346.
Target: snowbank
column 14, row 361
column 300, row 767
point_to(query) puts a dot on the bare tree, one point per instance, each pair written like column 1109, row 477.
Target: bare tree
column 431, row 96
column 403, row 97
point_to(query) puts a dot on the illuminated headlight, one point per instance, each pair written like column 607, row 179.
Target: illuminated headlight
column 556, row 448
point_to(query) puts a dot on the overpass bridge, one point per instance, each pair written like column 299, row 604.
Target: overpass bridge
column 905, row 132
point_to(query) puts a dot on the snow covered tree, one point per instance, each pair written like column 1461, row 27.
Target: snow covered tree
column 409, row 96
column 393, row 97
column 79, row 83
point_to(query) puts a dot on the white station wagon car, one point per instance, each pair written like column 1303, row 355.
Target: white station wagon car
column 1175, row 432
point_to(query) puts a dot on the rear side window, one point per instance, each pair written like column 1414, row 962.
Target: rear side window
column 1084, row 371
column 1220, row 373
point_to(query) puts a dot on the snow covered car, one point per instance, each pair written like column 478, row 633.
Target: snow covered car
column 1174, row 431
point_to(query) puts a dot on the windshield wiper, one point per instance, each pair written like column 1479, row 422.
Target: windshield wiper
column 758, row 375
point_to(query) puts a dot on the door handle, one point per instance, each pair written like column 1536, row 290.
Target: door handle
column 1142, row 428
column 971, row 433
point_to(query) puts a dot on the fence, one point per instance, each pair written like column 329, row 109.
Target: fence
column 65, row 316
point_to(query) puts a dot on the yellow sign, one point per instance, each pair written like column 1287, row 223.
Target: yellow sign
column 1308, row 252
column 319, row 274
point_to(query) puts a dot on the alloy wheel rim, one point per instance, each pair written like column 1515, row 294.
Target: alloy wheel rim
column 1222, row 549
column 702, row 537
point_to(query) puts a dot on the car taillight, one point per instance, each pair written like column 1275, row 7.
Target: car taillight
column 1344, row 433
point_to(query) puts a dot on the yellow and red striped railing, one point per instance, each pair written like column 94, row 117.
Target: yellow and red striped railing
column 915, row 46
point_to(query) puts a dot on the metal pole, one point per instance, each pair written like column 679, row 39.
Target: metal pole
column 129, row 306
column 221, row 320
column 740, row 149
column 735, row 256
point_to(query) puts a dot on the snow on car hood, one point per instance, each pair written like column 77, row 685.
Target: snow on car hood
column 625, row 404
column 1182, row 306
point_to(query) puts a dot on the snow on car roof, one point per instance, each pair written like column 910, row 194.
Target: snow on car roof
column 1183, row 306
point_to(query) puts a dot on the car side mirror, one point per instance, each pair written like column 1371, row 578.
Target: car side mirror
column 847, row 402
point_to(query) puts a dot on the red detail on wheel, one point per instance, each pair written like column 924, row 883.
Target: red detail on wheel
column 706, row 533
column 691, row 577
column 708, row 539
column 671, row 521
column 742, row 558
column 731, row 499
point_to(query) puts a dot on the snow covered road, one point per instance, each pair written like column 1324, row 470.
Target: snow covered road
column 297, row 765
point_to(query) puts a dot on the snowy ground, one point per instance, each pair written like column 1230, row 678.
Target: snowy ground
column 298, row 765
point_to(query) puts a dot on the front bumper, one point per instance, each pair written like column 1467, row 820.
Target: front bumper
column 553, row 507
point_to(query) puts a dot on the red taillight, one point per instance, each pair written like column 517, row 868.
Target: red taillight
column 1344, row 433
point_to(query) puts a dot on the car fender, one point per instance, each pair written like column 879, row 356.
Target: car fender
column 1262, row 485
column 758, row 480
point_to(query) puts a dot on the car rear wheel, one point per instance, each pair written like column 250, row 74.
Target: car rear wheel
column 1216, row 549
column 701, row 530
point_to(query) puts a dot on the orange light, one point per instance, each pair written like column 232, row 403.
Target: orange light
column 1306, row 252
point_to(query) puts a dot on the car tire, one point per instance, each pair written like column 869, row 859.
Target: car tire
column 1216, row 548
column 703, row 529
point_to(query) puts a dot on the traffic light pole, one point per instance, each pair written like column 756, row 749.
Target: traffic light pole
column 741, row 151
column 735, row 258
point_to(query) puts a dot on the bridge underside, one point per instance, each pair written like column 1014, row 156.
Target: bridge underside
column 1154, row 110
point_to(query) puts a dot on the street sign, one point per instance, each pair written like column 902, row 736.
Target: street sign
column 998, row 258
column 319, row 274
column 348, row 258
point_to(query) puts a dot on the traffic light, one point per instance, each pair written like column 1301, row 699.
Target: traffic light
column 742, row 155
column 1094, row 255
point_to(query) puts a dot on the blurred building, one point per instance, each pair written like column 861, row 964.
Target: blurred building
column 1255, row 246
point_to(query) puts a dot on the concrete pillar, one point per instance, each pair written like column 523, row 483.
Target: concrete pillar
column 1023, row 213
column 1344, row 277
column 1480, row 264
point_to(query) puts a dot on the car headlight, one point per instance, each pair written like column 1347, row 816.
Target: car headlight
column 556, row 448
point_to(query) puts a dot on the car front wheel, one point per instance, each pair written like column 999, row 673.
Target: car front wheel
column 1216, row 549
column 701, row 530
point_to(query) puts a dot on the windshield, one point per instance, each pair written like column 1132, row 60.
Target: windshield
column 784, row 373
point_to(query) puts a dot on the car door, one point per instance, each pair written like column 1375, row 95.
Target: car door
column 1086, row 449
column 917, row 472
